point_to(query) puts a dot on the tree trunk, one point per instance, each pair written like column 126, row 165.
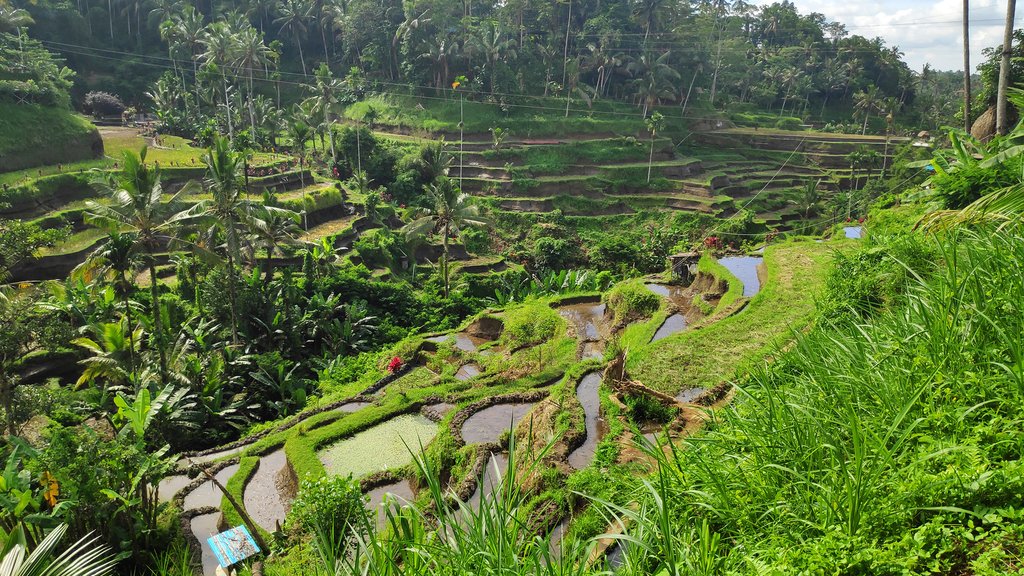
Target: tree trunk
column 268, row 266
column 158, row 323
column 650, row 159
column 1004, row 69
column 444, row 259
column 131, row 338
column 302, row 59
column 232, row 289
column 967, row 67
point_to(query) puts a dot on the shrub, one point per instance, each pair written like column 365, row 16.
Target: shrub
column 643, row 408
column 532, row 323
column 788, row 123
column 101, row 104
column 631, row 300
column 330, row 504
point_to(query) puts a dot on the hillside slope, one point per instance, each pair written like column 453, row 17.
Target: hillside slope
column 33, row 135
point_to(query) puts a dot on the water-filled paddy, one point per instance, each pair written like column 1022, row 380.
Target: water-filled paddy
column 353, row 407
column 204, row 526
column 745, row 268
column 206, row 494
column 463, row 341
column 586, row 392
column 587, row 318
column 397, row 494
column 673, row 324
column 494, row 471
column 264, row 496
column 853, row 232
column 384, row 446
column 171, row 485
column 489, row 424
column 467, row 371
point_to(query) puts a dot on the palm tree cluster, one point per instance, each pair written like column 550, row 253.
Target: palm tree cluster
column 234, row 58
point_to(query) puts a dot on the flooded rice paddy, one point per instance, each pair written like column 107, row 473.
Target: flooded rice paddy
column 264, row 497
column 489, row 424
column 384, row 446
column 206, row 494
column 587, row 393
column 745, row 268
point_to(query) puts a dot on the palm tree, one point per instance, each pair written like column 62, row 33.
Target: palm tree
column 299, row 133
column 495, row 47
column 292, row 16
column 251, row 54
column 228, row 211
column 188, row 31
column 84, row 557
column 451, row 213
column 865, row 102
column 113, row 348
column 273, row 227
column 967, row 66
column 325, row 99
column 654, row 79
column 219, row 49
column 13, row 19
column 117, row 257
column 1004, row 70
column 139, row 209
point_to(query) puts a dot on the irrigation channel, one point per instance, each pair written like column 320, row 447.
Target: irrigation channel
column 385, row 446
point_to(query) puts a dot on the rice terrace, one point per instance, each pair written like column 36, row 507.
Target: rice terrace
column 545, row 288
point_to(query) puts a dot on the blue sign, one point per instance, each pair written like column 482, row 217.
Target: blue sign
column 233, row 546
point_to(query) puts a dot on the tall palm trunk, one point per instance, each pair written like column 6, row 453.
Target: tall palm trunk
column 1004, row 69
column 158, row 323
column 444, row 259
column 967, row 67
column 232, row 281
column 268, row 264
column 131, row 336
column 302, row 59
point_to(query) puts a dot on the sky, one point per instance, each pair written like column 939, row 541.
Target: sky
column 927, row 31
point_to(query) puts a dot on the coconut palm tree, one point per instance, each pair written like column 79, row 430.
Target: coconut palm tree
column 654, row 79
column 228, row 211
column 218, row 53
column 324, row 99
column 250, row 54
column 140, row 210
column 188, row 29
column 452, row 211
column 1002, row 123
column 293, row 16
column 83, row 558
column 495, row 46
column 118, row 258
column 273, row 227
column 299, row 132
column 864, row 103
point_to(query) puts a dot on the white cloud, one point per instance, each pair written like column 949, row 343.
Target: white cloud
column 925, row 31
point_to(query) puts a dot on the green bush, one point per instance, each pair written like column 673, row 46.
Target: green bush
column 643, row 409
column 788, row 123
column 330, row 504
column 532, row 323
column 379, row 248
column 631, row 300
